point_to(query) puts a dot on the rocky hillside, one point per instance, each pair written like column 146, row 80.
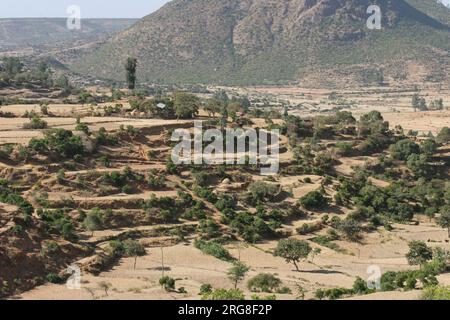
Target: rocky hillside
column 277, row 41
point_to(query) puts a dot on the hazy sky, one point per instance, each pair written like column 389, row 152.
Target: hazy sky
column 89, row 8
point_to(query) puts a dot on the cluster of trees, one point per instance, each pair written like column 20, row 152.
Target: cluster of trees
column 180, row 105
column 220, row 107
column 14, row 71
column 58, row 221
column 373, row 203
column 419, row 103
column 127, row 248
column 122, row 180
column 8, row 195
column 59, row 142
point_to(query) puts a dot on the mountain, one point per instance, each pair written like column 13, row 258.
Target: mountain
column 278, row 41
column 40, row 34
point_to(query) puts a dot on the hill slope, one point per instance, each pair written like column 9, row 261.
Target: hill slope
column 274, row 41
column 50, row 33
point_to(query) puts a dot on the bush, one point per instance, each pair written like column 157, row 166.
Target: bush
column 36, row 123
column 436, row 293
column 308, row 228
column 7, row 195
column 59, row 141
column 314, row 200
column 205, row 288
column 264, row 282
column 167, row 283
column 404, row 148
column 54, row 278
column 261, row 191
column 360, row 287
column 350, row 228
column 443, row 136
column 214, row 249
column 224, row 295
column 156, row 180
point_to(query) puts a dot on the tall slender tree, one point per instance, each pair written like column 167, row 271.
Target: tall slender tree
column 130, row 67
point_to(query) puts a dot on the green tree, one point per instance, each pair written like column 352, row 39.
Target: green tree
column 104, row 286
column 130, row 68
column 12, row 66
column 404, row 148
column 428, row 147
column 134, row 249
column 443, row 136
column 93, row 221
column 186, row 105
column 444, row 219
column 237, row 272
column 213, row 107
column 314, row 200
column 419, row 253
column 63, row 83
column 350, row 228
column 83, row 97
column 293, row 250
column 420, row 166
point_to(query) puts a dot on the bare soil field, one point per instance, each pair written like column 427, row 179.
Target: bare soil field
column 192, row 268
column 129, row 185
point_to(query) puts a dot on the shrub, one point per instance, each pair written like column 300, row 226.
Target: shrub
column 314, row 200
column 167, row 283
column 404, row 148
column 156, row 180
column 83, row 127
column 214, row 249
column 264, row 282
column 36, row 123
column 54, row 278
column 224, row 295
column 308, row 228
column 205, row 288
column 116, row 248
column 261, row 191
column 59, row 141
column 436, row 293
column 350, row 228
column 443, row 136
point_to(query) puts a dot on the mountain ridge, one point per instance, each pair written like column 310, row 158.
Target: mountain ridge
column 272, row 41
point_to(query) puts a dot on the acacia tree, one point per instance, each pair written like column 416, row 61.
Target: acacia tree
column 134, row 249
column 104, row 286
column 419, row 253
column 93, row 222
column 130, row 67
column 186, row 105
column 237, row 273
column 444, row 219
column 293, row 250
